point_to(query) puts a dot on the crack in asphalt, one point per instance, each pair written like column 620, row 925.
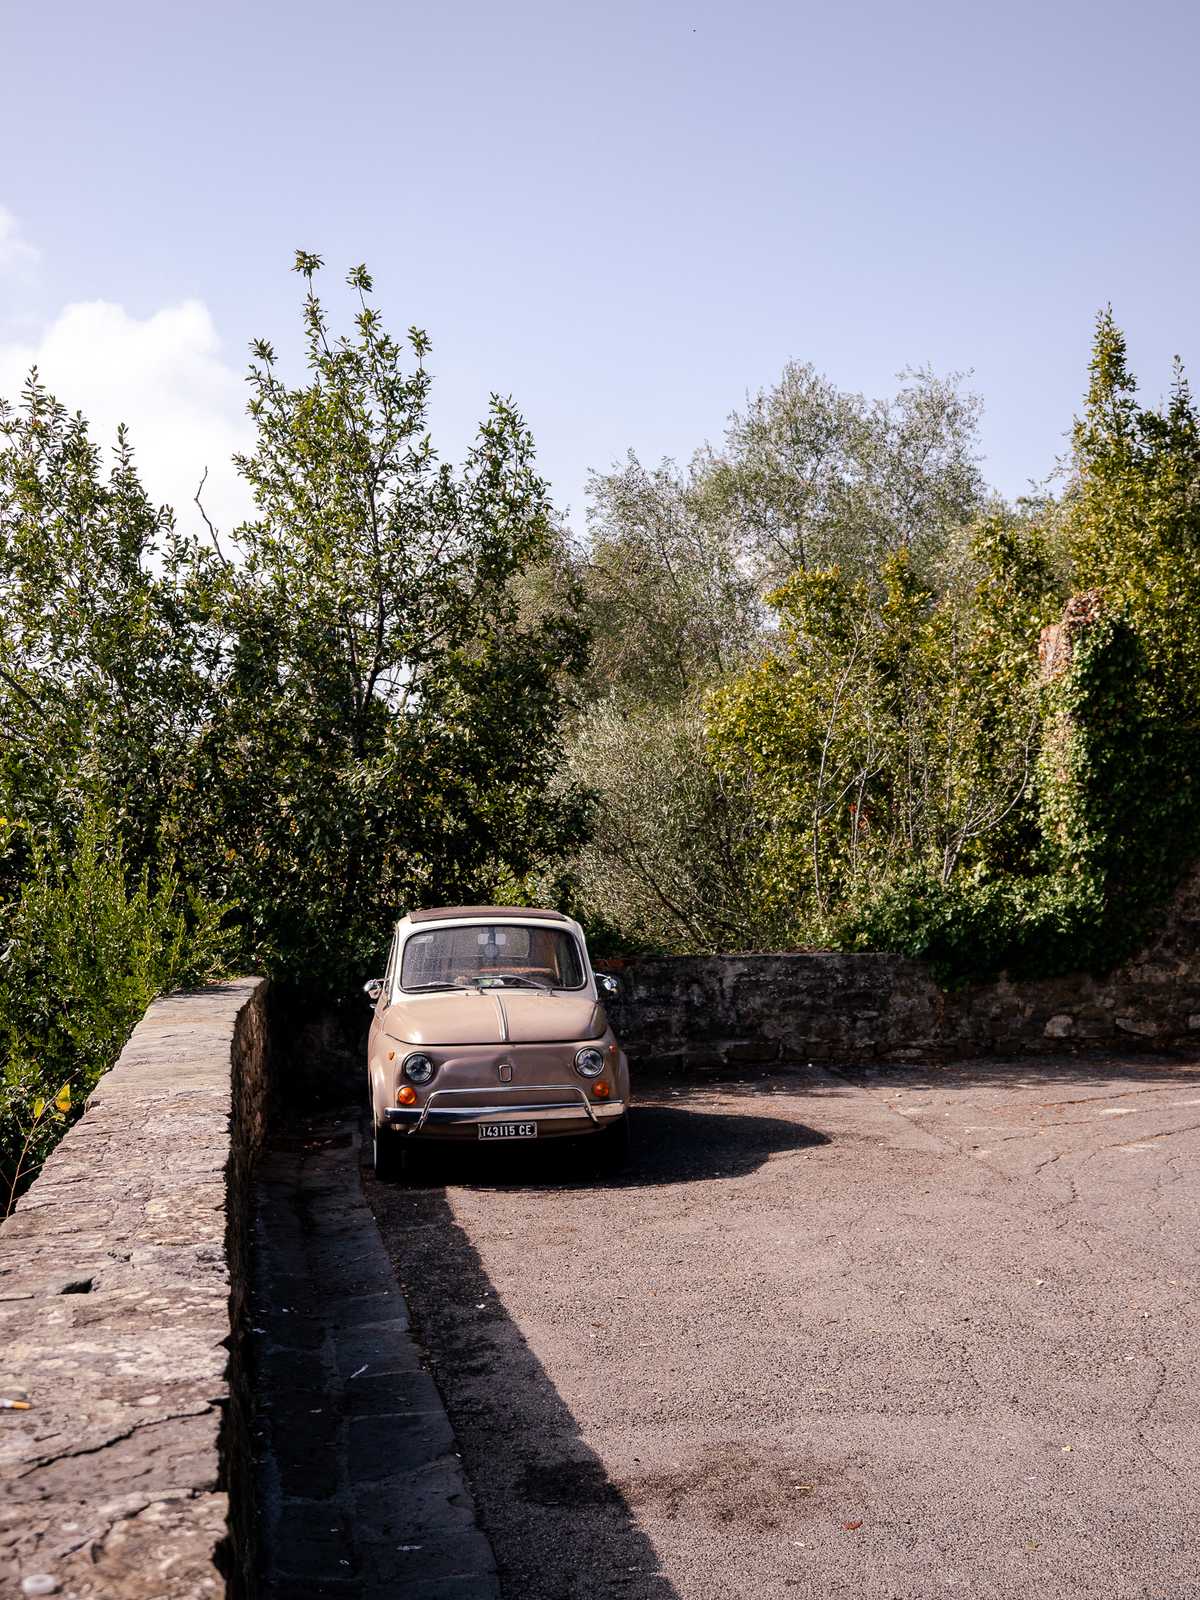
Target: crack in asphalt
column 1122, row 1094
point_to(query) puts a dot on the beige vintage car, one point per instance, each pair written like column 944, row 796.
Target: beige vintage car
column 489, row 1026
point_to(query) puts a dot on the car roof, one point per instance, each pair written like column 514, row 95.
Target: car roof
column 445, row 913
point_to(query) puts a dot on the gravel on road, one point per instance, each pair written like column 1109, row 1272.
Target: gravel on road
column 892, row 1334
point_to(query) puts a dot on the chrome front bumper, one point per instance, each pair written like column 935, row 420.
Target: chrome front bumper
column 414, row 1118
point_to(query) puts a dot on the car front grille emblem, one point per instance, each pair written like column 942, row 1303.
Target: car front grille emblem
column 505, row 1071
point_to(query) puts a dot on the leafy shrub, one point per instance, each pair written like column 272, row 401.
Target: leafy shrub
column 85, row 950
column 674, row 840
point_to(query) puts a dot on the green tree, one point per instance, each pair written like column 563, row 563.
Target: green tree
column 672, row 604
column 674, row 574
column 103, row 666
column 1119, row 793
column 388, row 708
column 105, row 676
column 1132, row 519
column 817, row 477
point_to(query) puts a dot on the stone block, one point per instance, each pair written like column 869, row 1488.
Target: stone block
column 375, row 1350
column 431, row 1502
column 1093, row 1023
column 471, row 1586
column 365, row 1310
column 749, row 1052
column 391, row 1392
column 380, row 1446
column 1140, row 1027
column 403, row 1560
column 1060, row 1026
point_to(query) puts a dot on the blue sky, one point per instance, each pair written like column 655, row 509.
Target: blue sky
column 625, row 216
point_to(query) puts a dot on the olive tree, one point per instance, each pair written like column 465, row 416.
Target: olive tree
column 673, row 604
column 816, row 476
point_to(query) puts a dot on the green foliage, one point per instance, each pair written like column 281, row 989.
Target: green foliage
column 697, row 845
column 815, row 477
column 1133, row 520
column 888, row 764
column 813, row 711
column 102, row 670
column 103, row 678
column 673, row 840
column 348, row 706
column 1112, row 839
column 1115, row 799
column 671, row 605
column 385, row 727
column 893, row 730
column 85, row 950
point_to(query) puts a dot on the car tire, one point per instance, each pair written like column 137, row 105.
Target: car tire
column 615, row 1146
column 389, row 1157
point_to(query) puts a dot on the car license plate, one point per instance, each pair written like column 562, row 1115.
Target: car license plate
column 508, row 1130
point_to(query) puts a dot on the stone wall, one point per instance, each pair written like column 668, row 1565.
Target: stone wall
column 700, row 1014
column 121, row 1277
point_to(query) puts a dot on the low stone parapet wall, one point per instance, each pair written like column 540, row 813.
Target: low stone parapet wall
column 702, row 1014
column 121, row 1275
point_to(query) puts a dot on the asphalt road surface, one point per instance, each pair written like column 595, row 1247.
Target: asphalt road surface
column 890, row 1336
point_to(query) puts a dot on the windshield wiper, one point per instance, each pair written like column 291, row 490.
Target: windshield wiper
column 532, row 983
column 413, row 987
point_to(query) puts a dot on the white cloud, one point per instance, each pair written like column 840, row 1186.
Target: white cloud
column 16, row 252
column 165, row 377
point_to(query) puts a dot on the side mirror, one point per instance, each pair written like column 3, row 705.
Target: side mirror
column 373, row 988
column 607, row 984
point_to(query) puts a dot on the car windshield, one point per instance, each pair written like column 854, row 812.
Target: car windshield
column 489, row 954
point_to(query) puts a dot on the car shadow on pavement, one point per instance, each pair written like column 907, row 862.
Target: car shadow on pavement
column 560, row 1528
column 671, row 1144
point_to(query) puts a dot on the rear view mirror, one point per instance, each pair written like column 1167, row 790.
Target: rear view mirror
column 373, row 988
column 607, row 984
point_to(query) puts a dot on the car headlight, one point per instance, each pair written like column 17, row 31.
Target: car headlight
column 418, row 1069
column 589, row 1062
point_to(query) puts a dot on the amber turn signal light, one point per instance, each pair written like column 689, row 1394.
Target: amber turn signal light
column 406, row 1095
column 601, row 1091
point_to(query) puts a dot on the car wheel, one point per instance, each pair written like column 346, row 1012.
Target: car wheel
column 390, row 1158
column 615, row 1146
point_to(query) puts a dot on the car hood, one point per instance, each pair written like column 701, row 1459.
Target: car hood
column 517, row 1016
